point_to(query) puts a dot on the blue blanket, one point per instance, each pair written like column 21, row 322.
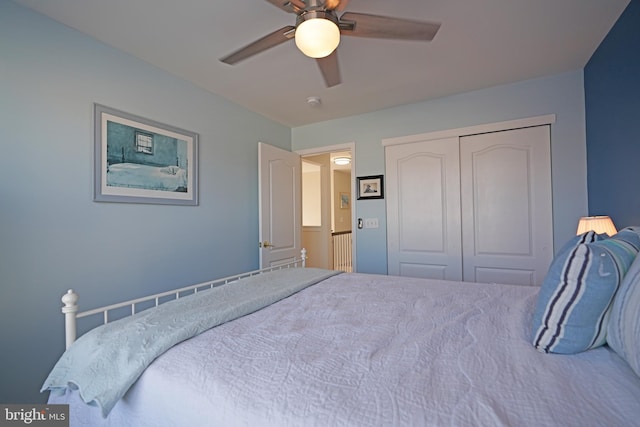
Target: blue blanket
column 103, row 363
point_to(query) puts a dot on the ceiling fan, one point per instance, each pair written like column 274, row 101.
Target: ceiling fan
column 318, row 29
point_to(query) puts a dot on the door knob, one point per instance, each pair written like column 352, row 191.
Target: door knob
column 265, row 244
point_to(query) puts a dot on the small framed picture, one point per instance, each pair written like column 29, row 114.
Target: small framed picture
column 344, row 200
column 371, row 187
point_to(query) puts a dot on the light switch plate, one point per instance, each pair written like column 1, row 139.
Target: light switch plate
column 371, row 223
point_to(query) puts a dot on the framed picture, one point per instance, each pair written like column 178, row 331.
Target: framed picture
column 137, row 160
column 344, row 200
column 371, row 187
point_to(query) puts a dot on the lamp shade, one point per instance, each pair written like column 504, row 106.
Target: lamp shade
column 317, row 37
column 600, row 224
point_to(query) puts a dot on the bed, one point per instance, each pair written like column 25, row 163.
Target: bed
column 351, row 349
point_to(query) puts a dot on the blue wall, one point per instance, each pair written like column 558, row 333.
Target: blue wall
column 54, row 237
column 612, row 93
column 562, row 95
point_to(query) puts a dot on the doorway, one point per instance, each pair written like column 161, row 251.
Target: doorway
column 327, row 207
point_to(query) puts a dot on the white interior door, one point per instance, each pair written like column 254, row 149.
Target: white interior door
column 506, row 206
column 423, row 209
column 280, row 205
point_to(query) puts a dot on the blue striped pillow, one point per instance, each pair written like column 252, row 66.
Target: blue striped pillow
column 623, row 331
column 574, row 301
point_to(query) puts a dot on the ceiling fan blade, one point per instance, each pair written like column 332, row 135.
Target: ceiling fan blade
column 385, row 27
column 266, row 42
column 293, row 6
column 330, row 69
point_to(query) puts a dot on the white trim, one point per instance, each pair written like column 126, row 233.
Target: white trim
column 473, row 130
column 347, row 146
column 327, row 149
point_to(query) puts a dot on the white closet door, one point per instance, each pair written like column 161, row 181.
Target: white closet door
column 506, row 206
column 423, row 209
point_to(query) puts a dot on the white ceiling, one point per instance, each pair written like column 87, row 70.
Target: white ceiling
column 481, row 43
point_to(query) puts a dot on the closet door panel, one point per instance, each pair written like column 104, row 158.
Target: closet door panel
column 506, row 206
column 423, row 209
column 500, row 192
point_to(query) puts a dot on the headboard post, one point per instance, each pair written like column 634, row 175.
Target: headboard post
column 303, row 256
column 69, row 310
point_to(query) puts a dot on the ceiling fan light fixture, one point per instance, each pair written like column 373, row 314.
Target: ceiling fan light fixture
column 317, row 34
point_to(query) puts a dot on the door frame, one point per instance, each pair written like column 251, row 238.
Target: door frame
column 349, row 146
column 548, row 119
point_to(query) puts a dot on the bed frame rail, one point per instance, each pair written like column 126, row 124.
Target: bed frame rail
column 70, row 299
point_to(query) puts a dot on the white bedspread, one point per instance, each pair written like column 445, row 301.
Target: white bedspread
column 103, row 363
column 368, row 350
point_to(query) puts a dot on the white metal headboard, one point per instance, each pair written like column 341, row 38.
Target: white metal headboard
column 70, row 299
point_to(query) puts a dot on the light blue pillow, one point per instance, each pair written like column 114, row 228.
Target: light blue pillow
column 575, row 297
column 623, row 331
